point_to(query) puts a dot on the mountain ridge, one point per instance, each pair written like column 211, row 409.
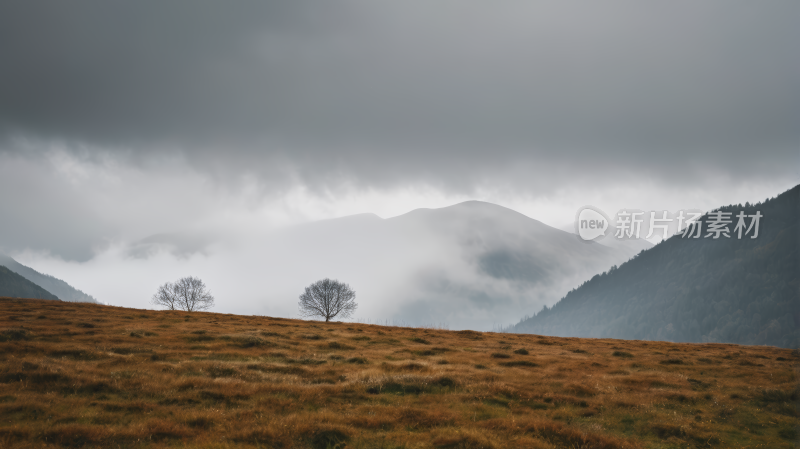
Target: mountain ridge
column 13, row 285
column 470, row 265
column 695, row 290
column 51, row 284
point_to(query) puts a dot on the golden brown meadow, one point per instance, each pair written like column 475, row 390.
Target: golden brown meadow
column 85, row 375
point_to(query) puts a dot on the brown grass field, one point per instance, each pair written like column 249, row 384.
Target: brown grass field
column 84, row 375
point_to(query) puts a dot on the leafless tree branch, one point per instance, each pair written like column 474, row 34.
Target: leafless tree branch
column 327, row 299
column 189, row 294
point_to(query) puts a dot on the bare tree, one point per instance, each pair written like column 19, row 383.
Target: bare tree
column 327, row 299
column 189, row 294
column 165, row 296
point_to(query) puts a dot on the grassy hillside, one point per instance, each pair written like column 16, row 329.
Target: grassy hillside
column 729, row 290
column 86, row 375
column 15, row 286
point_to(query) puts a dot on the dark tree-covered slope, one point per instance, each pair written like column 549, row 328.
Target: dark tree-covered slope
column 58, row 287
column 15, row 286
column 696, row 290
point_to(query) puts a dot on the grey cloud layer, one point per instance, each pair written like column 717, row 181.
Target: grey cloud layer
column 385, row 94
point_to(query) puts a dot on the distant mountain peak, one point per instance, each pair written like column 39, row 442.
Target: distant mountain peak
column 472, row 209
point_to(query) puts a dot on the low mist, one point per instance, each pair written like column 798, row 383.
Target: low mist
column 474, row 266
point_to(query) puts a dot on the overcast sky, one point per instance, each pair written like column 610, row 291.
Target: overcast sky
column 124, row 120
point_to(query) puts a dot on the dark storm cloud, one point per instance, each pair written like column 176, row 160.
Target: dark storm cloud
column 384, row 93
column 41, row 214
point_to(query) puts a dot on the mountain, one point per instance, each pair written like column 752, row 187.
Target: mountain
column 15, row 286
column 629, row 247
column 730, row 290
column 467, row 266
column 64, row 291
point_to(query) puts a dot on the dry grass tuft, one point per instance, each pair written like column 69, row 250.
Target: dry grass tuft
column 92, row 376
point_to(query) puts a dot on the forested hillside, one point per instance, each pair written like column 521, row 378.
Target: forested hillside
column 15, row 286
column 64, row 291
column 731, row 290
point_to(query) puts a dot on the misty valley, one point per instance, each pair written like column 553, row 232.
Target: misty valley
column 408, row 224
column 638, row 355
